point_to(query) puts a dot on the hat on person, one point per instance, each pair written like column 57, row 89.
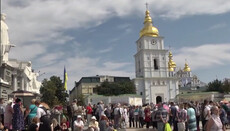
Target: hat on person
column 93, row 118
column 79, row 116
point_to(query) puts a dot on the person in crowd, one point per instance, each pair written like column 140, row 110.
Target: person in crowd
column 197, row 107
column 136, row 116
column 33, row 111
column 141, row 115
column 162, row 117
column 2, row 110
column 78, row 124
column 74, row 109
column 55, row 126
column 42, row 114
column 103, row 123
column 89, row 112
column 181, row 118
column 223, row 115
column 101, row 108
column 26, row 119
column 69, row 113
column 18, row 118
column 93, row 125
column 64, row 123
column 125, row 119
column 117, row 116
column 172, row 118
column 153, row 117
column 108, row 112
column 214, row 123
column 131, row 116
column 191, row 117
column 34, row 125
column 147, row 116
column 1, row 127
column 8, row 115
column 206, row 113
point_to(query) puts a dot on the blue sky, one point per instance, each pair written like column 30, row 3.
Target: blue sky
column 92, row 37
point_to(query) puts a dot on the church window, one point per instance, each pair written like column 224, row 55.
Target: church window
column 156, row 66
column 139, row 66
column 148, row 57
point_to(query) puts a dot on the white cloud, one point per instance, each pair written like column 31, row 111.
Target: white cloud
column 38, row 26
column 27, row 52
column 40, row 19
column 105, row 50
column 204, row 56
column 217, row 26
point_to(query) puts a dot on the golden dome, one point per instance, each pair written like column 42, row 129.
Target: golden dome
column 171, row 63
column 171, row 69
column 186, row 68
column 148, row 29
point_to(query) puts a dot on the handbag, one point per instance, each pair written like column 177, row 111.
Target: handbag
column 167, row 127
column 181, row 126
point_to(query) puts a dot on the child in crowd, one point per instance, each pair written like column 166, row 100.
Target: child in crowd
column 34, row 126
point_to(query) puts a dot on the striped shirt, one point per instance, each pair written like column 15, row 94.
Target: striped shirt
column 161, row 112
column 192, row 119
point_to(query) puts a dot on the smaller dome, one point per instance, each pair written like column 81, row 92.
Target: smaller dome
column 171, row 69
column 187, row 68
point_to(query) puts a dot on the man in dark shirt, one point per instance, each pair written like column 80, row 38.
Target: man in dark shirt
column 173, row 112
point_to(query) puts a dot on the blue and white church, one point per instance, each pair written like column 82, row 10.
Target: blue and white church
column 155, row 70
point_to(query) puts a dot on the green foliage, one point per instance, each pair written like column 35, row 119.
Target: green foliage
column 81, row 100
column 116, row 88
column 53, row 92
column 216, row 85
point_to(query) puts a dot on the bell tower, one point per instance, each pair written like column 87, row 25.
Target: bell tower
column 151, row 60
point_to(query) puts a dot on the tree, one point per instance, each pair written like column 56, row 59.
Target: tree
column 215, row 85
column 116, row 88
column 226, row 86
column 53, row 92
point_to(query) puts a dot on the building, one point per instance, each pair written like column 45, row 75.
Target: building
column 87, row 85
column 14, row 74
column 187, row 79
column 154, row 80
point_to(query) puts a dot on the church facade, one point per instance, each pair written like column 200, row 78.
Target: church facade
column 154, row 68
column 14, row 74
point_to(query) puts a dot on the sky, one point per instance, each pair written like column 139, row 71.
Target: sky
column 97, row 37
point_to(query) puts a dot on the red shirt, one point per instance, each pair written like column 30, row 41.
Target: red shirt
column 89, row 110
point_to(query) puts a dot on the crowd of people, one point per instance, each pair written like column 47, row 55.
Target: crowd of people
column 214, row 116
column 188, row 116
column 36, row 117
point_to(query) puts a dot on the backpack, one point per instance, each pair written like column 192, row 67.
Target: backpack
column 45, row 120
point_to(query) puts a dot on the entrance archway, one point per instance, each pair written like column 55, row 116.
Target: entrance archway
column 158, row 99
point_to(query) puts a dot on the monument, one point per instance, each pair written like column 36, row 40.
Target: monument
column 14, row 74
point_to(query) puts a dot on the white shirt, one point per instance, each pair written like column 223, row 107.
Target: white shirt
column 78, row 123
column 40, row 112
column 206, row 111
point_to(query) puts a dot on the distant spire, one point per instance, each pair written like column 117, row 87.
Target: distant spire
column 147, row 8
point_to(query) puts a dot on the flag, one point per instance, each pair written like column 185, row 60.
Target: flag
column 65, row 79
